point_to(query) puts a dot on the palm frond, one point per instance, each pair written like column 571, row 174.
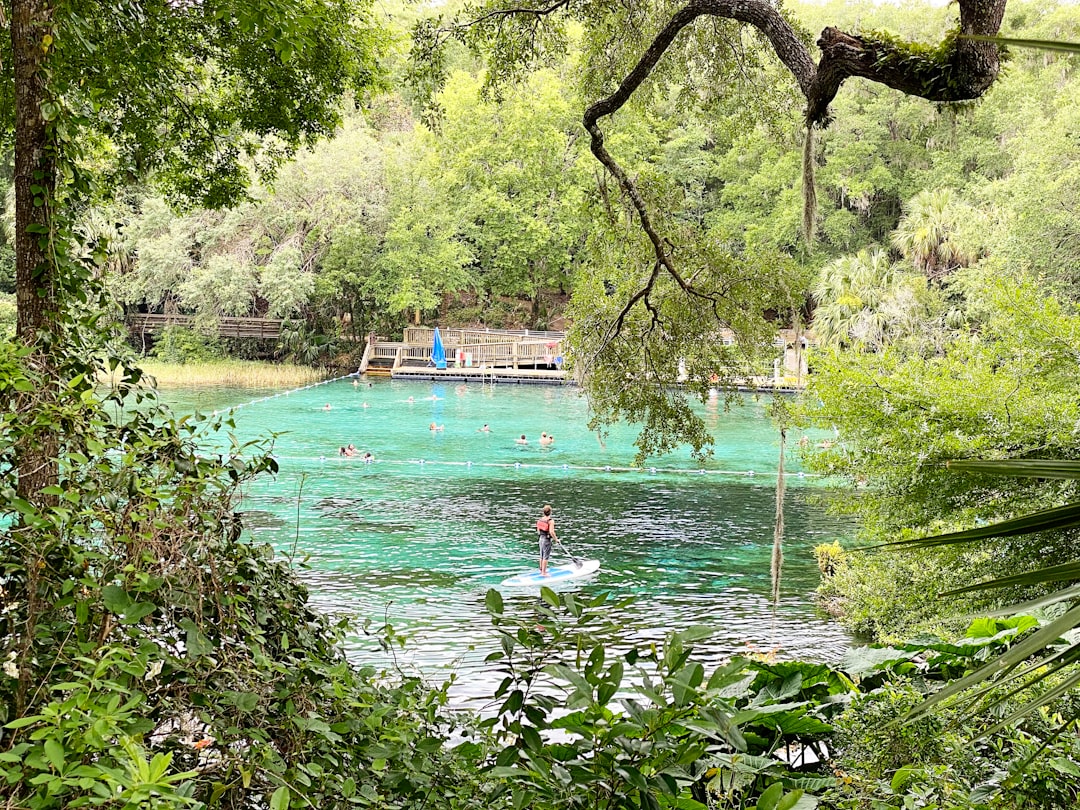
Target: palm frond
column 1054, row 573
column 1017, row 42
column 1061, row 517
column 1064, row 595
column 1021, row 468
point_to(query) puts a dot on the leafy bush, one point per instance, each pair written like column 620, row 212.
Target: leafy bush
column 178, row 344
column 891, row 596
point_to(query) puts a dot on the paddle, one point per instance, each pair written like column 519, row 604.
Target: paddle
column 577, row 561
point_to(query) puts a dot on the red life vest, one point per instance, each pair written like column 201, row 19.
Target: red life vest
column 543, row 525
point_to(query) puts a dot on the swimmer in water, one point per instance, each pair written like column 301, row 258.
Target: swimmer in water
column 522, row 440
column 484, row 429
column 326, row 407
column 546, row 439
column 435, row 427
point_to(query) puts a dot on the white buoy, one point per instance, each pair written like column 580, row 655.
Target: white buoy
column 749, row 472
column 652, row 469
column 607, row 469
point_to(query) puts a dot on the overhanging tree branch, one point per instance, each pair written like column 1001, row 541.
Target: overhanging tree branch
column 961, row 68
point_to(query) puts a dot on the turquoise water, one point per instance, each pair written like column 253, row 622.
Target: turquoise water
column 419, row 535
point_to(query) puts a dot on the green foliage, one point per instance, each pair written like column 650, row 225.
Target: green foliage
column 240, row 65
column 646, row 727
column 7, row 316
column 178, row 344
column 889, row 596
column 903, row 415
column 156, row 657
column 865, row 301
column 300, row 345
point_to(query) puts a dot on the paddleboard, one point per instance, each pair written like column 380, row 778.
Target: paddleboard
column 556, row 573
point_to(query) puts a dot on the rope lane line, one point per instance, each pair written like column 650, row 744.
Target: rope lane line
column 257, row 400
column 546, row 467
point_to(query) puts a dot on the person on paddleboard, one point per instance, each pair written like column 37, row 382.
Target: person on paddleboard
column 545, row 530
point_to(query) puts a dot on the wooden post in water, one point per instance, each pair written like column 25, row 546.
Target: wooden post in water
column 778, row 533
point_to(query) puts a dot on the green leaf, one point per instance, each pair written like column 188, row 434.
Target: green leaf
column 54, row 752
column 196, row 643
column 244, row 701
column 507, row 772
column 1065, row 766
column 901, row 777
column 22, row 722
column 280, row 799
column 770, row 797
column 697, row 632
column 137, row 611
column 796, row 800
column 116, row 599
column 494, row 602
column 1066, row 594
column 1038, row 44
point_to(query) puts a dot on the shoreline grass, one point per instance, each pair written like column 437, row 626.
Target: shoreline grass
column 230, row 374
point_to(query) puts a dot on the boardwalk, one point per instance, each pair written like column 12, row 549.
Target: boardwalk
column 258, row 328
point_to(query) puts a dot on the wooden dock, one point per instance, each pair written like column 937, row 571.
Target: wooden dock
column 480, row 355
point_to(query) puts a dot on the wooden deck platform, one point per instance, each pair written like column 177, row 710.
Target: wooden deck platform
column 479, row 355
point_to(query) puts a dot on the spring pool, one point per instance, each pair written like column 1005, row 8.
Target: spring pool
column 421, row 534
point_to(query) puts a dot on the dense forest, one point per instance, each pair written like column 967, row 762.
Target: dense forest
column 354, row 169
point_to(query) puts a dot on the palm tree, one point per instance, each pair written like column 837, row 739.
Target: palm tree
column 927, row 234
column 857, row 300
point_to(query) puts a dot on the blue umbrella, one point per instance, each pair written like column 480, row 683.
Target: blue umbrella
column 438, row 353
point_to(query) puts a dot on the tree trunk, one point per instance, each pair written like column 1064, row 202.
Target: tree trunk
column 35, row 181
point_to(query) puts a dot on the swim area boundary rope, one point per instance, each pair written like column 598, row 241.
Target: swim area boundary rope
column 257, row 400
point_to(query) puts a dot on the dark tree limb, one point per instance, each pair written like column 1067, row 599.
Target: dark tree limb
column 962, row 68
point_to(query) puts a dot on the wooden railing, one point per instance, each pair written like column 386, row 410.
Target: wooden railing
column 501, row 354
column 260, row 328
column 475, row 337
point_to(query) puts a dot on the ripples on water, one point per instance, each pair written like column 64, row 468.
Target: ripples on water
column 420, row 544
